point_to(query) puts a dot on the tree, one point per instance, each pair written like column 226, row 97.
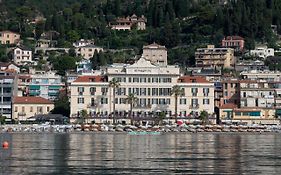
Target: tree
column 2, row 119
column 39, row 29
column 131, row 99
column 113, row 84
column 177, row 91
column 62, row 106
column 63, row 63
column 204, row 117
column 84, row 115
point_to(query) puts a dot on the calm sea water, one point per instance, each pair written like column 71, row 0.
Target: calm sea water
column 173, row 153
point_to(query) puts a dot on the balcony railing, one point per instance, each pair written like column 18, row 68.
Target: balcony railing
column 194, row 106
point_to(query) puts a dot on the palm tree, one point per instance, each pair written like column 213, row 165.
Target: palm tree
column 114, row 84
column 131, row 99
column 177, row 91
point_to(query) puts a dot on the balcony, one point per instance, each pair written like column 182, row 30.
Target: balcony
column 194, row 106
column 142, row 107
column 92, row 105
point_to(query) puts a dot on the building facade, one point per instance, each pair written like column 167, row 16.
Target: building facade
column 128, row 23
column 45, row 84
column 262, row 52
column 26, row 107
column 87, row 51
column 151, row 84
column 235, row 42
column 8, row 89
column 156, row 54
column 8, row 37
column 215, row 57
column 22, row 55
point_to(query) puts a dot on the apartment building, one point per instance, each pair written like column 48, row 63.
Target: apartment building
column 8, row 89
column 8, row 37
column 26, row 107
column 156, row 54
column 231, row 91
column 44, row 84
column 261, row 75
column 215, row 57
column 150, row 83
column 257, row 94
column 22, row 55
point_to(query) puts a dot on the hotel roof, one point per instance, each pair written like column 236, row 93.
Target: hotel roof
column 193, row 79
column 31, row 100
column 89, row 79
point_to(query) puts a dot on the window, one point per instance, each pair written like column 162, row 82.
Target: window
column 206, row 101
column 16, row 109
column 104, row 100
column 80, row 89
column 80, row 100
column 206, row 91
column 31, row 109
column 93, row 90
column 183, row 101
column 48, row 108
column 39, row 109
column 194, row 91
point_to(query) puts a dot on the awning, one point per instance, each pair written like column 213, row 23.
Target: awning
column 54, row 87
column 34, row 87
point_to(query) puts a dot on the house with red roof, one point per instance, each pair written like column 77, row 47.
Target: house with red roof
column 236, row 42
column 26, row 107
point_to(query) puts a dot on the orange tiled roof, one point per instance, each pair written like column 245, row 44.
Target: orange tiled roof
column 90, row 79
column 31, row 100
column 192, row 79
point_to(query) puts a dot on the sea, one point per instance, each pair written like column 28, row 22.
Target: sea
column 120, row 153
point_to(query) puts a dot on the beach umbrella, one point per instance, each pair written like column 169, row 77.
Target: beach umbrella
column 180, row 122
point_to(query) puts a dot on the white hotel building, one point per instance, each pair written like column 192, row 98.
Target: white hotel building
column 152, row 85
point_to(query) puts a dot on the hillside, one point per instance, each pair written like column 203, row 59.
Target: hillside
column 180, row 25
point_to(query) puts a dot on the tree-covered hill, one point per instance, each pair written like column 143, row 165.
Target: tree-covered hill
column 180, row 25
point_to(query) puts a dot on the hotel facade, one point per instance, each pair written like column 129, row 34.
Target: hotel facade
column 152, row 85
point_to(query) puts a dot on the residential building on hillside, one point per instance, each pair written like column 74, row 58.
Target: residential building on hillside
column 46, row 43
column 9, row 66
column 26, row 107
column 45, row 84
column 8, row 37
column 262, row 52
column 150, row 83
column 261, row 75
column 83, row 42
column 235, row 42
column 84, row 66
column 156, row 54
column 215, row 57
column 22, row 55
column 231, row 92
column 257, row 94
column 128, row 23
column 87, row 51
column 8, row 89
column 248, row 65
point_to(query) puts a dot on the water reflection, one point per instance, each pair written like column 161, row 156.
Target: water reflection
column 121, row 154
